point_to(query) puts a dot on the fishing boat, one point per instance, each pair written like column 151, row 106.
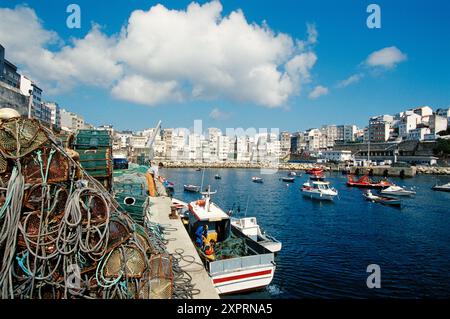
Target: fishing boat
column 288, row 179
column 217, row 176
column 257, row 180
column 442, row 188
column 234, row 262
column 382, row 199
column 397, row 191
column 315, row 170
column 191, row 188
column 250, row 228
column 366, row 182
column 319, row 190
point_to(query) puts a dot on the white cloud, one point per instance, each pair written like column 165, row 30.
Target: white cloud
column 87, row 61
column 197, row 54
column 387, row 58
column 141, row 90
column 350, row 80
column 217, row 114
column 318, row 91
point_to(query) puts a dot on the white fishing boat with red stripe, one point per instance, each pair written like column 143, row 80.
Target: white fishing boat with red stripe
column 234, row 262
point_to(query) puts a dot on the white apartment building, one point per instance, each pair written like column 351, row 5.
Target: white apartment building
column 337, row 156
column 195, row 147
column 71, row 121
column 407, row 123
column 437, row 123
column 55, row 113
column 418, row 134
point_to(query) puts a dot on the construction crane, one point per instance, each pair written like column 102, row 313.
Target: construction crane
column 152, row 138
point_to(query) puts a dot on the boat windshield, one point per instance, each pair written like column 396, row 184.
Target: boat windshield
column 323, row 186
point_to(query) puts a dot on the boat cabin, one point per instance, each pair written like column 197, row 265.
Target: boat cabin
column 204, row 212
column 319, row 185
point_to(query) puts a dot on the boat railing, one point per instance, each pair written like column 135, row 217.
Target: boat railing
column 245, row 262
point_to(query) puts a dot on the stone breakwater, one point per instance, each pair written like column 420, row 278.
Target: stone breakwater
column 376, row 170
column 433, row 170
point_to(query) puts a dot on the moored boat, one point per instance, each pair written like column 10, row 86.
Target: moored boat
column 234, row 262
column 292, row 174
column 442, row 188
column 366, row 182
column 217, row 176
column 382, row 199
column 397, row 191
column 249, row 227
column 319, row 190
column 288, row 179
column 191, row 188
column 257, row 180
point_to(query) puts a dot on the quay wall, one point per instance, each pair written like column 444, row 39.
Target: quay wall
column 376, row 170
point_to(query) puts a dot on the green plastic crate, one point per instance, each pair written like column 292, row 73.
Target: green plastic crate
column 92, row 139
column 96, row 162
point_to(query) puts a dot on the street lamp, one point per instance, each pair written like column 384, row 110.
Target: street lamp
column 30, row 100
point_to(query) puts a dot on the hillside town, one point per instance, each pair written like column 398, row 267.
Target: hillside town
column 408, row 136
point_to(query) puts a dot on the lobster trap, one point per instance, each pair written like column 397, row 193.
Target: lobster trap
column 53, row 165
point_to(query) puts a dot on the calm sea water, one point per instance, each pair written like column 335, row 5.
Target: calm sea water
column 328, row 246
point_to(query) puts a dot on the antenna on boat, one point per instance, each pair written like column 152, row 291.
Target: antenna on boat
column 246, row 206
column 203, row 176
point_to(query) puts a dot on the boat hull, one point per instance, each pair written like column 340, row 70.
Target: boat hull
column 441, row 189
column 374, row 186
column 243, row 280
column 318, row 196
column 400, row 193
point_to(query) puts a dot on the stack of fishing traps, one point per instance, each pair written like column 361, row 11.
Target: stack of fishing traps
column 62, row 235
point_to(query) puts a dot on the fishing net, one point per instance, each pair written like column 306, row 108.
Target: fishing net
column 19, row 137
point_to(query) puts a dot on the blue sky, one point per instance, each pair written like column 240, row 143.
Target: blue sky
column 418, row 29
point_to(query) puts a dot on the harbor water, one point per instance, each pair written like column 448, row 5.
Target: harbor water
column 327, row 246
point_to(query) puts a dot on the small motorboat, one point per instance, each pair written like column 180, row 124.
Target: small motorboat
column 192, row 188
column 382, row 199
column 442, row 188
column 257, row 180
column 198, row 169
column 217, row 176
column 319, row 190
column 288, row 179
column 397, row 191
column 366, row 182
column 250, row 228
column 292, row 174
column 315, row 170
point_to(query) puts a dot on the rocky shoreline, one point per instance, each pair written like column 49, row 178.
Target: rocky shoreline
column 426, row 170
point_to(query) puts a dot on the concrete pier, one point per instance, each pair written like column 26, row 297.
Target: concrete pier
column 179, row 239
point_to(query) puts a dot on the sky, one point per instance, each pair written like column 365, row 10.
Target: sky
column 290, row 65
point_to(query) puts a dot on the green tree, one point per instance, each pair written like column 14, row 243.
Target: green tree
column 442, row 148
